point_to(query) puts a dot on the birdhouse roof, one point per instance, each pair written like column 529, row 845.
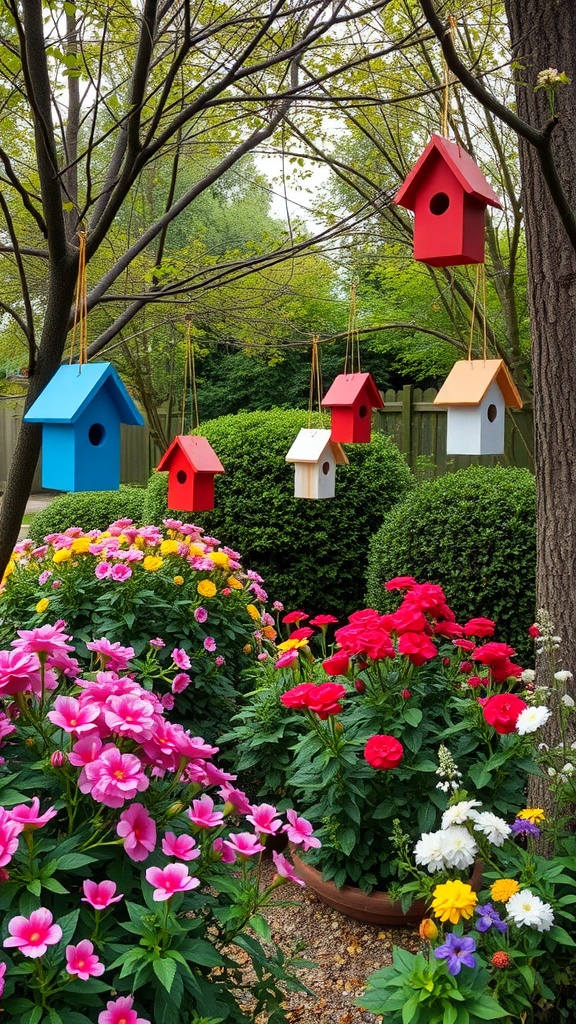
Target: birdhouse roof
column 469, row 380
column 197, row 451
column 311, row 444
column 347, row 388
column 72, row 389
column 463, row 167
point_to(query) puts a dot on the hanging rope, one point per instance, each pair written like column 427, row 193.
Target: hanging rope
column 80, row 326
column 315, row 380
column 352, row 333
column 190, row 376
column 485, row 317
column 473, row 314
column 452, row 22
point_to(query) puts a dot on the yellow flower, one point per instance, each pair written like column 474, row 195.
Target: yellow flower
column 139, row 543
column 169, row 547
column 532, row 814
column 178, row 580
column 247, row 649
column 453, row 900
column 80, row 545
column 9, row 570
column 206, row 588
column 291, row 645
column 105, row 533
column 197, row 550
column 220, row 559
column 62, row 555
column 253, row 612
column 152, row 563
column 42, row 605
column 233, row 583
column 428, row 929
column 123, row 539
column 503, row 889
column 269, row 632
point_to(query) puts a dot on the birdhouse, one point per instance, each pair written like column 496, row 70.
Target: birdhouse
column 81, row 410
column 476, row 393
column 449, row 195
column 192, row 464
column 351, row 399
column 315, row 456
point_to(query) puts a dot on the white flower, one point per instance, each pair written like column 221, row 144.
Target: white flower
column 528, row 675
column 568, row 768
column 459, row 848
column 524, row 908
column 552, row 773
column 459, row 813
column 495, row 828
column 563, row 676
column 429, row 852
column 531, row 719
column 567, row 700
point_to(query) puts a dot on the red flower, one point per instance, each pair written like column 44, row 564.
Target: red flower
column 417, row 647
column 492, row 652
column 295, row 617
column 465, row 645
column 365, row 636
column 337, row 665
column 323, row 699
column 304, row 633
column 323, row 620
column 465, row 666
column 448, row 629
column 479, row 627
column 500, row 959
column 475, row 681
column 400, row 583
column 406, row 694
column 360, row 686
column 383, row 752
column 502, row 710
column 430, row 598
column 534, row 630
column 408, row 619
column 295, row 698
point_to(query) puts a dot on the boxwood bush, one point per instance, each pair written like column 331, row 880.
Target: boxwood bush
column 90, row 510
column 473, row 532
column 312, row 554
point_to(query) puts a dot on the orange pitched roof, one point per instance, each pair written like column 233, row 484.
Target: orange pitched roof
column 465, row 170
column 469, row 380
column 197, row 450
column 347, row 387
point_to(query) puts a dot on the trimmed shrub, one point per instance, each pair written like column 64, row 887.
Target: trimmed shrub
column 312, row 554
column 474, row 533
column 90, row 510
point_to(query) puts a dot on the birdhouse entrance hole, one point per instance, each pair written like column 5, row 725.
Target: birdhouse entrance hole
column 96, row 434
column 325, row 468
column 492, row 412
column 181, row 476
column 439, row 203
column 363, row 411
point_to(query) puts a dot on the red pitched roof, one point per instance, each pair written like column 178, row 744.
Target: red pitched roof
column 347, row 388
column 197, row 450
column 465, row 170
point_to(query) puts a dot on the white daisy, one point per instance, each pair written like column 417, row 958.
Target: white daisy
column 428, row 852
column 567, row 700
column 493, row 827
column 459, row 813
column 531, row 719
column 459, row 848
column 524, row 908
column 563, row 676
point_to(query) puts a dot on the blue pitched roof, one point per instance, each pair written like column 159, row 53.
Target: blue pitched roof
column 71, row 390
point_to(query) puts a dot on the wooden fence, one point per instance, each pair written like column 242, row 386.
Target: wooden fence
column 409, row 416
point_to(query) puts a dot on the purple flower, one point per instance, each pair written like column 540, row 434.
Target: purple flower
column 523, row 827
column 157, row 642
column 457, row 950
column 44, row 577
column 209, row 644
column 488, row 917
column 200, row 615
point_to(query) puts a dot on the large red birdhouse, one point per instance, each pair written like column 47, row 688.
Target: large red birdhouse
column 449, row 195
column 192, row 464
column 351, row 399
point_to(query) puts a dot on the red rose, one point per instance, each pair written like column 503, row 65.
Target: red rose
column 493, row 652
column 323, row 620
column 475, row 681
column 502, row 710
column 448, row 629
column 377, row 644
column 360, row 686
column 534, row 631
column 417, row 647
column 408, row 620
column 479, row 627
column 294, row 617
column 465, row 645
column 363, row 616
column 406, row 694
column 304, row 633
column 383, row 752
column 465, row 666
column 323, row 699
column 337, row 665
column 294, row 698
column 400, row 583
column 431, row 599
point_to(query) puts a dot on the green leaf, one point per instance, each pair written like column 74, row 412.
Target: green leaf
column 164, row 969
column 261, row 927
column 561, row 936
column 68, row 925
column 35, row 886
column 54, row 885
column 413, row 716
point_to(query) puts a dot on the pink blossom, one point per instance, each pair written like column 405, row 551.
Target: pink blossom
column 85, row 751
column 29, row 817
column 44, row 639
column 58, row 759
column 222, row 661
column 19, row 671
column 244, row 844
column 128, row 715
column 33, row 935
column 119, row 1011
column 278, row 606
column 61, row 661
column 209, row 644
column 181, row 847
column 9, row 832
column 170, row 880
column 286, row 659
column 83, row 961
column 227, row 855
column 99, row 894
column 113, row 778
column 167, row 701
column 300, row 831
column 236, row 797
column 180, row 682
column 115, row 657
column 180, row 658
column 120, row 573
column 200, row 615
column 102, row 570
column 264, row 819
column 138, row 830
column 157, row 642
column 202, row 813
column 285, row 869
column 2, row 973
column 68, row 714
column 44, row 577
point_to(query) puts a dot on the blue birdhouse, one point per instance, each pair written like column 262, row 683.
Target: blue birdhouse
column 81, row 410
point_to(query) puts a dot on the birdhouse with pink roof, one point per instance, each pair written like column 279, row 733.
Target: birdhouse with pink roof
column 192, row 465
column 448, row 194
column 351, row 399
column 476, row 394
column 315, row 456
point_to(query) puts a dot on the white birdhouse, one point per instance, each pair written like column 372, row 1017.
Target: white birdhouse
column 476, row 394
column 315, row 457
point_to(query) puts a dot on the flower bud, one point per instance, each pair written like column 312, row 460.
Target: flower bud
column 446, row 662
column 500, row 959
column 406, row 694
column 427, row 929
column 360, row 686
column 4, row 876
column 175, row 809
column 58, row 759
column 534, row 630
column 465, row 666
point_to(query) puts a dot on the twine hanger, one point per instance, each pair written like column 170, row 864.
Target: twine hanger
column 315, row 381
column 190, row 375
column 452, row 21
column 80, row 326
column 480, row 280
column 352, row 334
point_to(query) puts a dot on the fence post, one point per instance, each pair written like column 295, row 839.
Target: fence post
column 406, row 422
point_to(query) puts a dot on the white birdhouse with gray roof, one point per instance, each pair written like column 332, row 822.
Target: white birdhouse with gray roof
column 315, row 457
column 476, row 394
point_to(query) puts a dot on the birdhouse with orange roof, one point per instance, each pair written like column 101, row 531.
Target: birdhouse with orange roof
column 476, row 394
column 351, row 399
column 449, row 195
column 192, row 464
column 315, row 456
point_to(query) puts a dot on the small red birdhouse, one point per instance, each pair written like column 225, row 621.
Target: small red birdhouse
column 449, row 195
column 351, row 400
column 191, row 463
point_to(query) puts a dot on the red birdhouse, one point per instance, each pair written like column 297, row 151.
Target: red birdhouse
column 191, row 463
column 351, row 400
column 449, row 195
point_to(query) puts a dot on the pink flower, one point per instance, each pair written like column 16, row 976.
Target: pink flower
column 200, row 615
column 180, row 658
column 323, row 620
column 33, row 935
column 169, row 880
column 130, row 716
column 263, row 817
column 99, row 894
column 119, row 1011
column 278, row 606
column 167, row 701
column 286, row 659
column 157, row 642
column 138, row 830
column 43, row 639
column 85, row 751
column 102, row 570
column 120, row 573
column 209, row 644
column 113, row 778
column 2, row 973
column 236, row 797
column 70, row 716
column 180, row 682
column 222, row 661
column 9, row 832
column 285, row 869
column 243, row 844
column 82, row 961
column 296, row 616
column 113, row 657
column 300, row 830
column 19, row 671
column 181, row 847
column 44, row 577
column 202, row 813
column 227, row 854
column 29, row 817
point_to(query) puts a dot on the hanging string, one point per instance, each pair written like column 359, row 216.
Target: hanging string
column 473, row 314
column 80, row 326
column 452, row 22
column 190, row 376
column 315, row 380
column 485, row 317
column 352, row 333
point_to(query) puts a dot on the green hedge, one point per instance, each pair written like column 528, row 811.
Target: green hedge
column 473, row 532
column 90, row 510
column 312, row 554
